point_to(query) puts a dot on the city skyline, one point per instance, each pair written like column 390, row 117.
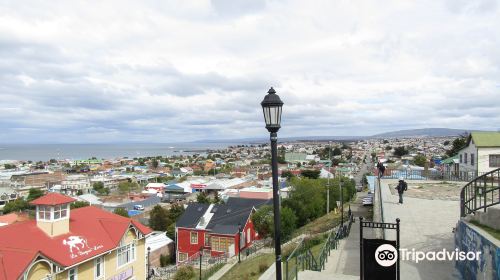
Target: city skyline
column 124, row 71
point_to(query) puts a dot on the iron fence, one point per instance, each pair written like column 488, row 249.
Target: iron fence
column 208, row 264
column 302, row 257
column 431, row 174
column 480, row 193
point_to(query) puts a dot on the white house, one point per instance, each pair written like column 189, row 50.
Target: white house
column 481, row 154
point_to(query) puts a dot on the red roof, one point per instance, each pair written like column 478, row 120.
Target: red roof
column 92, row 230
column 52, row 199
column 12, row 218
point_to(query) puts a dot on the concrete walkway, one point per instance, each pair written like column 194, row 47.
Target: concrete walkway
column 343, row 263
column 426, row 225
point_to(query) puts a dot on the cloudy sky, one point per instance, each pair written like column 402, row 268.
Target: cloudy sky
column 170, row 71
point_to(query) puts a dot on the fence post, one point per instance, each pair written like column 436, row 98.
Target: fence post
column 286, row 269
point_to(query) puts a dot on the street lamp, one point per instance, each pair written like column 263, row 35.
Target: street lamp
column 149, row 264
column 271, row 106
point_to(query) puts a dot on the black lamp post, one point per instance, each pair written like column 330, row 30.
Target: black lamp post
column 201, row 256
column 271, row 105
column 149, row 264
column 239, row 242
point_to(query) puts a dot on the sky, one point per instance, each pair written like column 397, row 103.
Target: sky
column 173, row 71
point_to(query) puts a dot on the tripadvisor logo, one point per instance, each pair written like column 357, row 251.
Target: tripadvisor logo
column 386, row 255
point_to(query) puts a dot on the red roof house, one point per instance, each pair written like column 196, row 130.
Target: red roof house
column 62, row 241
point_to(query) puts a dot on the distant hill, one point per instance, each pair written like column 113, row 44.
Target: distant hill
column 423, row 132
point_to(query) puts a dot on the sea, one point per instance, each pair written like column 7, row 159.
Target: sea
column 45, row 152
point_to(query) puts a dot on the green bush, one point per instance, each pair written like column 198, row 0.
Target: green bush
column 184, row 273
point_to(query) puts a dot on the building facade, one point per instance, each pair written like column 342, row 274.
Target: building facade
column 216, row 229
column 85, row 243
column 481, row 154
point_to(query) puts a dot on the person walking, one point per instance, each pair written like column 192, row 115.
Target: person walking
column 401, row 188
column 381, row 169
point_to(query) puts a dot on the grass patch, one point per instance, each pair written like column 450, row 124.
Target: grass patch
column 253, row 268
column 206, row 273
column 320, row 225
column 493, row 232
column 250, row 269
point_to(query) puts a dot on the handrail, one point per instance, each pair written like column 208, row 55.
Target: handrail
column 475, row 195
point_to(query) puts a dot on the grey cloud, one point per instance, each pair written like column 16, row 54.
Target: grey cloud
column 231, row 8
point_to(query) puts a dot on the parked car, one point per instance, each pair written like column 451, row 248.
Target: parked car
column 138, row 207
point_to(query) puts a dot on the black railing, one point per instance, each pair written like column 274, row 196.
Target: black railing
column 431, row 174
column 480, row 193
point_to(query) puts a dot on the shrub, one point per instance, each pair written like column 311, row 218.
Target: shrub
column 184, row 273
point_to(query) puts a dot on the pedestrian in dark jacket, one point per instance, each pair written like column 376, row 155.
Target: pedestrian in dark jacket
column 401, row 188
column 381, row 169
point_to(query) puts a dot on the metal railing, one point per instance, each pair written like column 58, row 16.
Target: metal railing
column 431, row 174
column 302, row 258
column 480, row 193
column 208, row 265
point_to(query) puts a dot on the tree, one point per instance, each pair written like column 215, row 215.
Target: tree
column 14, row 206
column 78, row 204
column 307, row 199
column 457, row 144
column 125, row 187
column 158, row 218
column 311, row 174
column 420, row 160
column 400, row 151
column 263, row 221
column 336, row 152
column 202, row 198
column 288, row 223
column 122, row 212
column 34, row 194
column 175, row 211
column 217, row 199
column 155, row 163
column 97, row 186
column 446, row 143
column 9, row 166
column 287, row 174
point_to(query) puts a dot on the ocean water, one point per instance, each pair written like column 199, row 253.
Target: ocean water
column 44, row 152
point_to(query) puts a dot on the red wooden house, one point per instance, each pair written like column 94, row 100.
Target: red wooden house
column 214, row 229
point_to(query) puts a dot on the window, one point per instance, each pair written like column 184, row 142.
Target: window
column 44, row 213
column 194, row 238
column 60, row 211
column 99, row 268
column 207, row 239
column 472, row 159
column 494, row 160
column 73, row 274
column 465, row 158
column 221, row 244
column 460, row 158
column 215, row 243
column 249, row 236
column 183, row 257
column 126, row 254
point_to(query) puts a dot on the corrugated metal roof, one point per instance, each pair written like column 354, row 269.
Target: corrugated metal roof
column 485, row 139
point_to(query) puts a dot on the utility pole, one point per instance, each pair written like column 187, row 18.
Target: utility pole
column 328, row 180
